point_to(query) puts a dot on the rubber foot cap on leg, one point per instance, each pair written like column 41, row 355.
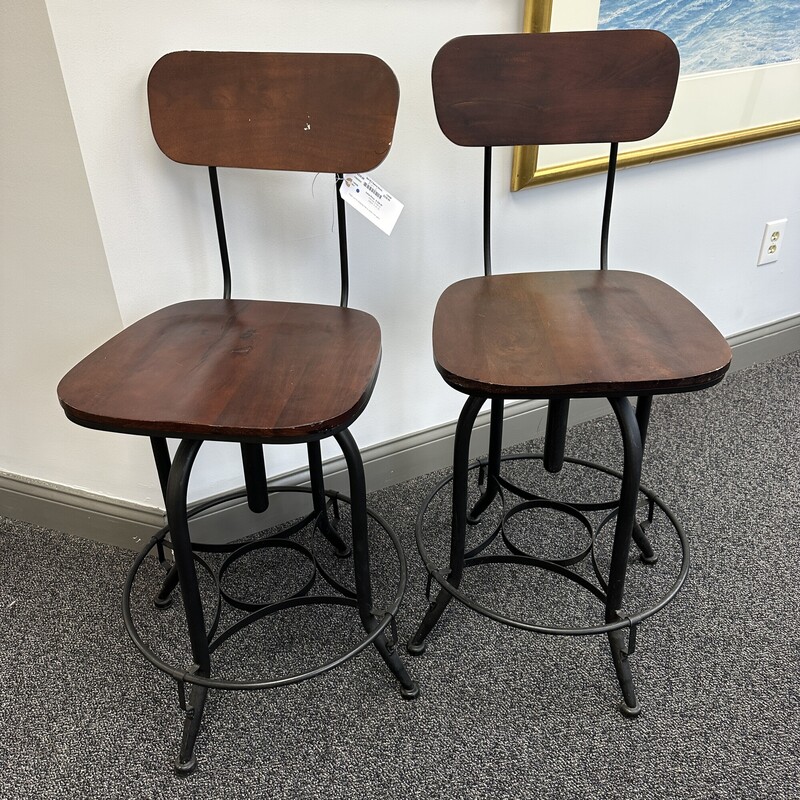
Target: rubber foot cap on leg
column 653, row 559
column 410, row 692
column 184, row 768
column 629, row 711
column 162, row 602
column 416, row 648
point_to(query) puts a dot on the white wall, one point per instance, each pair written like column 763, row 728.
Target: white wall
column 56, row 294
column 695, row 222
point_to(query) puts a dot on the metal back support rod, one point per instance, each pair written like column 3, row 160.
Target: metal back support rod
column 223, row 242
column 612, row 171
column 342, row 224
column 487, row 211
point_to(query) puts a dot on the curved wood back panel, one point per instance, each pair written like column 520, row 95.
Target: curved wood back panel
column 554, row 88
column 314, row 112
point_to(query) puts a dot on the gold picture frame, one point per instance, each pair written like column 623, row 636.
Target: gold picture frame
column 526, row 171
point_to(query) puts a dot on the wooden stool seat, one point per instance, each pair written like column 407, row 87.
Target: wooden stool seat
column 230, row 370
column 581, row 333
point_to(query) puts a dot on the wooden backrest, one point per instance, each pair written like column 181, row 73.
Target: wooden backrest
column 554, row 88
column 314, row 112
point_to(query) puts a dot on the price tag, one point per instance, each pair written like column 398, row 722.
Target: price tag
column 371, row 200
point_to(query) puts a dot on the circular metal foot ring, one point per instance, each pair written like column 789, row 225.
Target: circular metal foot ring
column 180, row 673
column 517, row 556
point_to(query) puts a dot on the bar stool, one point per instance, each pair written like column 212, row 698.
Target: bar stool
column 252, row 371
column 558, row 335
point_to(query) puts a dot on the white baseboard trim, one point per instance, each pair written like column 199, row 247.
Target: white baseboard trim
column 128, row 525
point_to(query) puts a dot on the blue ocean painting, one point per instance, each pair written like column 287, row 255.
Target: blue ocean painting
column 715, row 34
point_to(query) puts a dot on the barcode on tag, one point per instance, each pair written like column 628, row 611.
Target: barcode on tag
column 371, row 200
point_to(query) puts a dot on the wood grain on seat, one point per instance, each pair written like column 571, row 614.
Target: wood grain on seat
column 229, row 370
column 574, row 334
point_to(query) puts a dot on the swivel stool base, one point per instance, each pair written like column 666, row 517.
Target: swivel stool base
column 234, row 609
column 511, row 518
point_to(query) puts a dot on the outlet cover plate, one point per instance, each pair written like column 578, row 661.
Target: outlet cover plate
column 774, row 234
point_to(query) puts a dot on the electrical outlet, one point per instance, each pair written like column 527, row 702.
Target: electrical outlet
column 774, row 234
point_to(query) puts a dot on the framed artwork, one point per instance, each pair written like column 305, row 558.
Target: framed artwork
column 740, row 78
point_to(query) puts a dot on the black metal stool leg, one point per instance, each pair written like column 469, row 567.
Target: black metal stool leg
column 466, row 420
column 626, row 517
column 629, row 706
column 318, row 497
column 648, row 554
column 164, row 597
column 163, row 464
column 190, row 592
column 493, row 465
column 193, row 710
column 363, row 581
column 643, row 406
column 555, row 437
column 255, row 477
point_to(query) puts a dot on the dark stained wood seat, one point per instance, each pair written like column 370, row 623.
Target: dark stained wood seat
column 236, row 370
column 578, row 333
column 558, row 335
column 254, row 371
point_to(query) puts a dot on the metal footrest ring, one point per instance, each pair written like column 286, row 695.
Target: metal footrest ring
column 577, row 510
column 255, row 611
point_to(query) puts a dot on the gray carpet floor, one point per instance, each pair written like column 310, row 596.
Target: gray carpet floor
column 503, row 713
